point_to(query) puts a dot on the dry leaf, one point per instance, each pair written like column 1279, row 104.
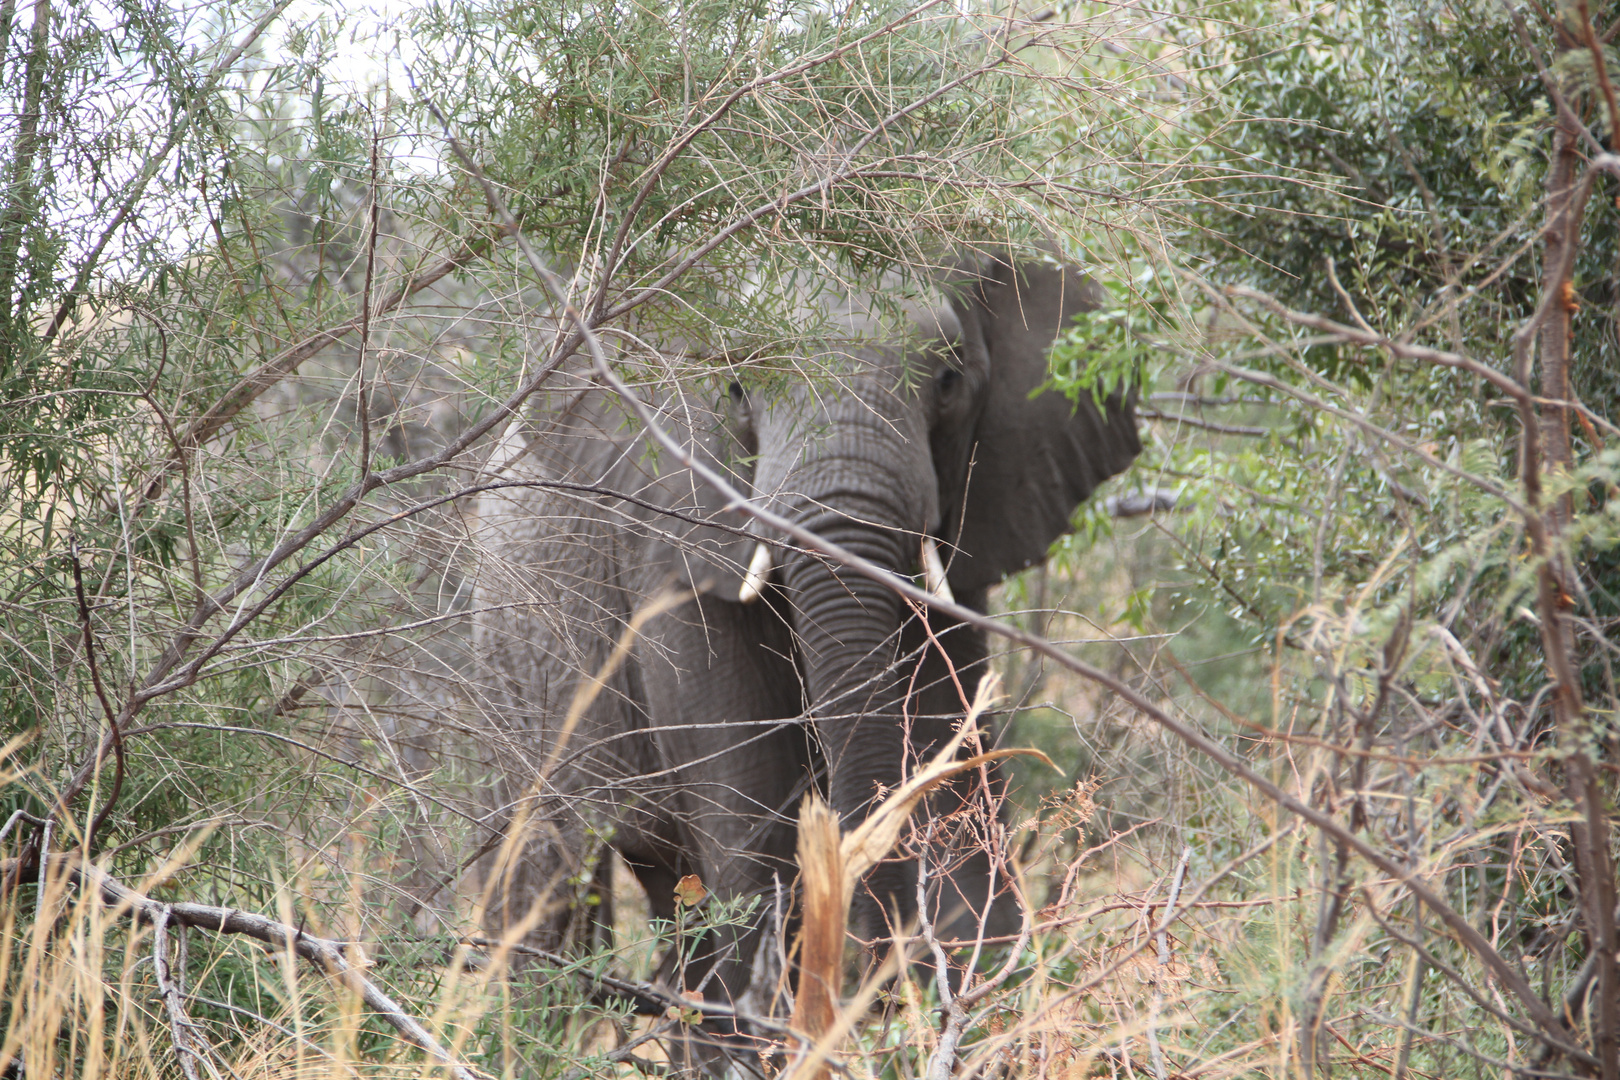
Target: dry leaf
column 689, row 891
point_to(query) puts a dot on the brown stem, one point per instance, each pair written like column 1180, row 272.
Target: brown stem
column 101, row 695
column 1545, row 445
column 1561, row 236
column 1590, row 40
column 1549, row 82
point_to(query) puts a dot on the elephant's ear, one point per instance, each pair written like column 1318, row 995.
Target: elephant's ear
column 695, row 555
column 1036, row 459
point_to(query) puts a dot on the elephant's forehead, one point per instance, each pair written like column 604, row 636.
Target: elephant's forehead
column 891, row 318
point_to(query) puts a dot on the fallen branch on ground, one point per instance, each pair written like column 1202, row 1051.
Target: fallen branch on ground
column 330, row 955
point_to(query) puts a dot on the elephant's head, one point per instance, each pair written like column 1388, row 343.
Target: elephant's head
column 946, row 444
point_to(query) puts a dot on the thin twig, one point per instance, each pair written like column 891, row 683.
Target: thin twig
column 362, row 402
column 193, row 100
column 88, row 633
column 1155, row 1051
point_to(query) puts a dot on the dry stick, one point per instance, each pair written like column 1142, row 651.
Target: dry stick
column 958, row 1005
column 646, row 997
column 170, row 992
column 627, row 1052
column 326, row 953
column 1335, row 886
column 1155, row 1051
column 1170, row 916
column 1553, row 1030
column 1206, row 425
column 16, row 816
column 971, row 994
column 944, row 1057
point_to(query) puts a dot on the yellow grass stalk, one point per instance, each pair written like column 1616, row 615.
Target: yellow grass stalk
column 829, row 866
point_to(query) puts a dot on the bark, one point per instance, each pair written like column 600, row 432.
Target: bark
column 1547, row 449
column 1561, row 236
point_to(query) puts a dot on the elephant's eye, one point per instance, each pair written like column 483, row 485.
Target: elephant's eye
column 735, row 390
column 947, row 379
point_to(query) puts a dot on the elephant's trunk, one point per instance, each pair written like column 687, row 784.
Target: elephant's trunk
column 857, row 470
column 848, row 629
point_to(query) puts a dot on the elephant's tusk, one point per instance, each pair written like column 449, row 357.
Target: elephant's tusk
column 759, row 570
column 934, row 571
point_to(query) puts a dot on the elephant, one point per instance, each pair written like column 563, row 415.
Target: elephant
column 774, row 671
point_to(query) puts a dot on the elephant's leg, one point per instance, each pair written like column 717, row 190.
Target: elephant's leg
column 570, row 798
column 528, row 879
column 718, row 676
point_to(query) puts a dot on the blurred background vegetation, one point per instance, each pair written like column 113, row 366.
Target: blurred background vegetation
column 255, row 323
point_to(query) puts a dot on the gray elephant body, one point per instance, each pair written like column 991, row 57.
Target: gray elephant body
column 694, row 755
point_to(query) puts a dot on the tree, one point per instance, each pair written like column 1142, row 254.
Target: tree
column 257, row 330
column 1386, row 239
